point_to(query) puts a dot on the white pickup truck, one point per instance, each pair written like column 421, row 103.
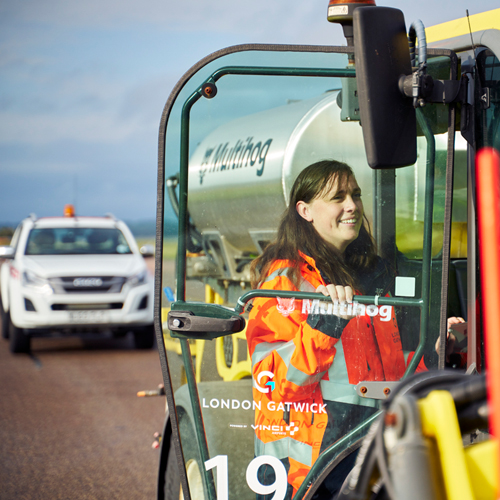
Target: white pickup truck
column 74, row 276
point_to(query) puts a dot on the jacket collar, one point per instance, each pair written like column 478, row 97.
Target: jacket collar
column 310, row 267
column 308, row 259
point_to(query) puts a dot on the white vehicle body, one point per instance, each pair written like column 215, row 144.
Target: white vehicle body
column 72, row 274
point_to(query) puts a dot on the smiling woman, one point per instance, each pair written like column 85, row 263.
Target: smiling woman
column 336, row 213
column 317, row 352
column 324, row 220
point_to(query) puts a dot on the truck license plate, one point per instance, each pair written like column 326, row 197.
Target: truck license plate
column 88, row 316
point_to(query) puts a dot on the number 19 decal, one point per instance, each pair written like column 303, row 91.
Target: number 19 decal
column 278, row 487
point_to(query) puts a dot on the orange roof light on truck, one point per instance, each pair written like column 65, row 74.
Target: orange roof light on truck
column 69, row 210
column 341, row 11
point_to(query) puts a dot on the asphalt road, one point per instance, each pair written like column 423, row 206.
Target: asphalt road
column 71, row 425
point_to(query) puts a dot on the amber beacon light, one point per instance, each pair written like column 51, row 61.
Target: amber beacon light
column 69, row 211
column 340, row 11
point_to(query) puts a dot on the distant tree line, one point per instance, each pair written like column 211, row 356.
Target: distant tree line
column 6, row 232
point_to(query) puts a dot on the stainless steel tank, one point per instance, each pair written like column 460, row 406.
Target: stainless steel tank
column 241, row 174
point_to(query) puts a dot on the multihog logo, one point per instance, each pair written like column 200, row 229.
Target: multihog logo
column 285, row 306
column 268, row 386
column 224, row 157
column 346, row 308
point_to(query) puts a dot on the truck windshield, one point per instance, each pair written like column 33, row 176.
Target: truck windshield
column 294, row 392
column 76, row 241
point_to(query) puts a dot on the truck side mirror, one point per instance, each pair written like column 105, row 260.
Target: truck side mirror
column 382, row 56
column 7, row 252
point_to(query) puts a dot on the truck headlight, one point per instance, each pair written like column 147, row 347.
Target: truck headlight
column 137, row 279
column 42, row 285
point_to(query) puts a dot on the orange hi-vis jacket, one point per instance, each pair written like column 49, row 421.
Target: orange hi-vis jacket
column 304, row 356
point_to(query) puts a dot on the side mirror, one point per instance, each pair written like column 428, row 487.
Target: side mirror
column 147, row 251
column 382, row 56
column 7, row 252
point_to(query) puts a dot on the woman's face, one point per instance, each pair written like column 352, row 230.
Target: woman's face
column 336, row 215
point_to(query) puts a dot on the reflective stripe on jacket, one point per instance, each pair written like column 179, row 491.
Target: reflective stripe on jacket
column 304, row 355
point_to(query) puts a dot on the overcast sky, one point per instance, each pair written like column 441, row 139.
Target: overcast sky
column 83, row 85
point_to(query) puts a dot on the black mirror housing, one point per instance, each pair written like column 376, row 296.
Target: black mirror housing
column 388, row 117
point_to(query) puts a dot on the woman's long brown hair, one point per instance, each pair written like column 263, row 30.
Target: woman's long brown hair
column 296, row 234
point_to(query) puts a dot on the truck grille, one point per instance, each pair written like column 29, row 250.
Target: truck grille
column 86, row 307
column 88, row 284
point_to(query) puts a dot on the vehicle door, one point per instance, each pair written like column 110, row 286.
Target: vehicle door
column 235, row 132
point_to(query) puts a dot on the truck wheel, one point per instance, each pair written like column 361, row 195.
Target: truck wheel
column 4, row 319
column 144, row 337
column 172, row 479
column 19, row 341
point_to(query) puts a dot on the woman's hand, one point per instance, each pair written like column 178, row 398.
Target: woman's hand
column 450, row 338
column 338, row 294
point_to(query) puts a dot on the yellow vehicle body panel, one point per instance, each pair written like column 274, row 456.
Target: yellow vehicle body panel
column 458, row 27
column 465, row 473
